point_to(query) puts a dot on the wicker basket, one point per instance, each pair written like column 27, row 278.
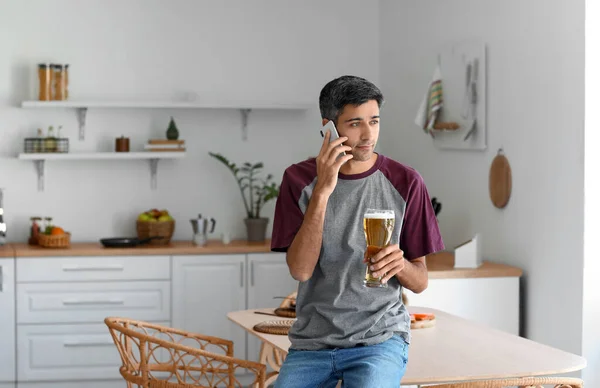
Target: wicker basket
column 54, row 240
column 164, row 229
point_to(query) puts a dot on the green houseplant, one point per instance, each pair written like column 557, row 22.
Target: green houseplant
column 255, row 191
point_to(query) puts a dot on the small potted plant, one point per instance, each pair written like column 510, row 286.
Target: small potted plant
column 256, row 192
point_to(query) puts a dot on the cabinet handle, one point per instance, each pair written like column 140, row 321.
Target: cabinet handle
column 252, row 274
column 103, row 268
column 241, row 274
column 67, row 344
column 1, row 279
column 91, row 302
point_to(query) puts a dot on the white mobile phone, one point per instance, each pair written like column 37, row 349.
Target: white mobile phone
column 334, row 133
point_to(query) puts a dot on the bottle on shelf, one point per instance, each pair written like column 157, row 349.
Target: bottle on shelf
column 50, row 142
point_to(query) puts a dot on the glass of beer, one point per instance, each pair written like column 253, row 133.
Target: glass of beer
column 379, row 226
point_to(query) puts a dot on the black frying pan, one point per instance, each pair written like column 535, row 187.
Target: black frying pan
column 125, row 242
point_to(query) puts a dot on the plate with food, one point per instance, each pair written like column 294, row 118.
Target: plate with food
column 422, row 320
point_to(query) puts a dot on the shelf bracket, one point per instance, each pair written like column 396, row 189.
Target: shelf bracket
column 245, row 113
column 39, row 166
column 81, row 114
column 153, row 170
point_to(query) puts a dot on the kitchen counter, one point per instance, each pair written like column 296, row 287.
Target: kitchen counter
column 7, row 251
column 440, row 265
column 214, row 247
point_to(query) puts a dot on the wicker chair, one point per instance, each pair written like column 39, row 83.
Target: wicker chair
column 526, row 382
column 155, row 356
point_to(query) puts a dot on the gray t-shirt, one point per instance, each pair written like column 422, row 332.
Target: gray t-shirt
column 333, row 308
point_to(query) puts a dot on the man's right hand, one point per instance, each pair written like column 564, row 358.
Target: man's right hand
column 328, row 164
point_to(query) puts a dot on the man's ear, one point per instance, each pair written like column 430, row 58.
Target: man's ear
column 324, row 121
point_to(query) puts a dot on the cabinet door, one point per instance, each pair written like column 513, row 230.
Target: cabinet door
column 268, row 276
column 205, row 289
column 491, row 301
column 91, row 302
column 7, row 320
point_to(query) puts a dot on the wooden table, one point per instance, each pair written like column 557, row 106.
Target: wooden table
column 454, row 350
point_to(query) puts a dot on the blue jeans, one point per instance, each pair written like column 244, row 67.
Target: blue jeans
column 382, row 365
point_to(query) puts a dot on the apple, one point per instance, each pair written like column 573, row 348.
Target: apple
column 164, row 218
column 144, row 217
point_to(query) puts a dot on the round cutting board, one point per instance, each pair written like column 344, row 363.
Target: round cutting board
column 500, row 180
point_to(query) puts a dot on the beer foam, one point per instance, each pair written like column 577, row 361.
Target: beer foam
column 379, row 215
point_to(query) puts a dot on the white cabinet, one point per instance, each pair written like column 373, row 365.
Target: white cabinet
column 66, row 352
column 87, row 269
column 93, row 301
column 205, row 289
column 7, row 320
column 62, row 303
column 493, row 301
column 269, row 277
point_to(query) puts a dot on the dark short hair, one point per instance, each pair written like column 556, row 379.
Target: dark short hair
column 347, row 89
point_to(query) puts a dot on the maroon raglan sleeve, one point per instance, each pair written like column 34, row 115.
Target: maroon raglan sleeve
column 420, row 235
column 288, row 216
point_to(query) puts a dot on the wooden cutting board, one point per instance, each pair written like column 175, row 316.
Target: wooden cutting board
column 500, row 180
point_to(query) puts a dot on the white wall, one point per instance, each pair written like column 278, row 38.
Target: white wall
column 535, row 112
column 591, row 290
column 266, row 51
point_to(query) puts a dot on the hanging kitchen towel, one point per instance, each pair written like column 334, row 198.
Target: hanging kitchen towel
column 432, row 103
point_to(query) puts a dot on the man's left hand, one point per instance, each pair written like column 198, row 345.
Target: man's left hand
column 387, row 262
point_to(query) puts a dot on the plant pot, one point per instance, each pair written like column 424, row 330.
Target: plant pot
column 256, row 228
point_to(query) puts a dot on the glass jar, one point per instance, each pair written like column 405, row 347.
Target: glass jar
column 47, row 225
column 35, row 230
column 45, row 77
column 58, row 83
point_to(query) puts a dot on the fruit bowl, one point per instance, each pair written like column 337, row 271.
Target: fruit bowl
column 155, row 223
column 54, row 240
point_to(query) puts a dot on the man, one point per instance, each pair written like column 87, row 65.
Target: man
column 346, row 331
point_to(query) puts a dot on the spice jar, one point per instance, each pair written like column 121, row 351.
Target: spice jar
column 58, row 83
column 45, row 78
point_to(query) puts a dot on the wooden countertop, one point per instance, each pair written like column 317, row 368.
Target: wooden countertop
column 7, row 250
column 439, row 265
column 214, row 247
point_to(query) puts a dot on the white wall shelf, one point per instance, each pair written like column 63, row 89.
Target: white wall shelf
column 39, row 160
column 81, row 107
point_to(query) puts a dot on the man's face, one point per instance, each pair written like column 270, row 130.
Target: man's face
column 360, row 124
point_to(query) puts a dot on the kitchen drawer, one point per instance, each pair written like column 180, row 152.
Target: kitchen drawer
column 92, row 302
column 67, row 352
column 78, row 269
